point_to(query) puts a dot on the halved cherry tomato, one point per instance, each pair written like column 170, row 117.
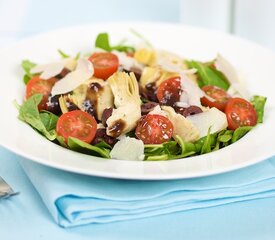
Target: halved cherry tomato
column 154, row 129
column 169, row 91
column 240, row 112
column 77, row 124
column 219, row 96
column 105, row 64
column 38, row 85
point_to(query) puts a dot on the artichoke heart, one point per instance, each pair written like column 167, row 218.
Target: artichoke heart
column 93, row 96
column 155, row 75
column 125, row 116
column 182, row 126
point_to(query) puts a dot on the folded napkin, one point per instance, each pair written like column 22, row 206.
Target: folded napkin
column 75, row 199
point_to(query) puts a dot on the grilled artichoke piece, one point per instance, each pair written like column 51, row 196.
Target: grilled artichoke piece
column 67, row 103
column 182, row 126
column 125, row 116
column 155, row 75
column 93, row 96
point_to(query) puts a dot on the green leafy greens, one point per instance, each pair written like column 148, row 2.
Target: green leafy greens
column 259, row 102
column 209, row 75
column 27, row 66
column 101, row 150
column 178, row 148
column 44, row 122
column 65, row 55
column 102, row 41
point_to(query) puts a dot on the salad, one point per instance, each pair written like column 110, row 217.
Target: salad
column 138, row 103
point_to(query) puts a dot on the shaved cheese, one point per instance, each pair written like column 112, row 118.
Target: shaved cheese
column 213, row 119
column 84, row 70
column 191, row 93
column 182, row 104
column 169, row 61
column 128, row 149
column 53, row 69
column 227, row 69
column 182, row 126
column 157, row 110
column 237, row 88
column 127, row 62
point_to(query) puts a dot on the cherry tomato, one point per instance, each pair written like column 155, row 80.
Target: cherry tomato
column 105, row 64
column 240, row 112
column 169, row 91
column 219, row 96
column 38, row 85
column 154, row 129
column 77, row 124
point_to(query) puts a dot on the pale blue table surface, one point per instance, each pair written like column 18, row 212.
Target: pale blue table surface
column 25, row 216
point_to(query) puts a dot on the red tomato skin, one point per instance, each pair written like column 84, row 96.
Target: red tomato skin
column 105, row 64
column 169, row 91
column 220, row 96
column 38, row 85
column 77, row 124
column 154, row 129
column 240, row 112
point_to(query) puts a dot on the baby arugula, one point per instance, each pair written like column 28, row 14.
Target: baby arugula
column 44, row 122
column 208, row 75
column 102, row 41
column 27, row 66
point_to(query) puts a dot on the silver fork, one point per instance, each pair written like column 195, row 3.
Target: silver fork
column 5, row 189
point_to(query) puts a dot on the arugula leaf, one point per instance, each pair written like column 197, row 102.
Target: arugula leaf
column 27, row 66
column 240, row 132
column 102, row 41
column 157, row 157
column 209, row 75
column 259, row 102
column 186, row 147
column 62, row 54
column 181, row 149
column 206, row 146
column 103, row 144
column 42, row 122
column 83, row 147
column 169, row 150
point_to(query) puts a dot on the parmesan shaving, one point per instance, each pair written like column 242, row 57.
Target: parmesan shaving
column 53, row 69
column 127, row 62
column 191, row 93
column 84, row 70
column 128, row 149
column 213, row 119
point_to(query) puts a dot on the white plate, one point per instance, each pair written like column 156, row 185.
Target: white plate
column 256, row 64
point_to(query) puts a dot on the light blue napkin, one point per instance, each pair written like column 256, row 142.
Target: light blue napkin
column 76, row 200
